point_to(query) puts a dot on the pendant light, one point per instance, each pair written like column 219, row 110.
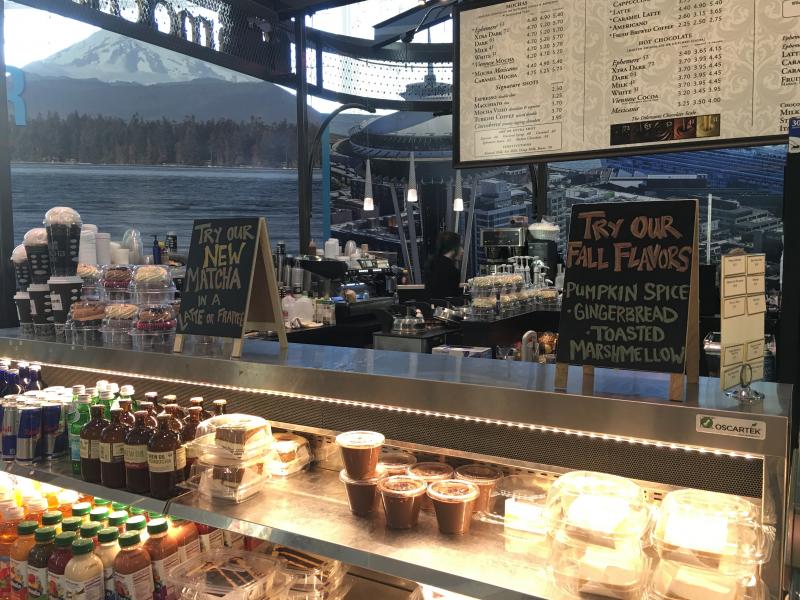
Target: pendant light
column 458, row 197
column 411, row 195
column 369, row 203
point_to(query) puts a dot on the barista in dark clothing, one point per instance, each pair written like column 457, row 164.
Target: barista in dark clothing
column 442, row 277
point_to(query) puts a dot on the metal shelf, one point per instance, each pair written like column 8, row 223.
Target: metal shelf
column 310, row 512
column 59, row 473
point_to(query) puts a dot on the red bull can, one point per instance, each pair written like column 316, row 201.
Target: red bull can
column 29, row 434
column 53, row 418
column 10, row 424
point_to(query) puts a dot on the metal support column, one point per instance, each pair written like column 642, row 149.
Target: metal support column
column 539, row 175
column 303, row 171
column 416, row 269
column 401, row 231
column 468, row 231
column 326, row 185
column 8, row 315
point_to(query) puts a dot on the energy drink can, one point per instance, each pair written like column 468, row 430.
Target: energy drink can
column 53, row 418
column 10, row 424
column 29, row 434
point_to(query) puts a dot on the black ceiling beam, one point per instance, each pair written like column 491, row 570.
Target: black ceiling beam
column 398, row 52
column 288, row 9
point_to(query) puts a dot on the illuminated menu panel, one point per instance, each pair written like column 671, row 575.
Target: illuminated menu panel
column 539, row 78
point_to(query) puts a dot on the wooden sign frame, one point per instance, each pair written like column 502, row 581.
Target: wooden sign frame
column 263, row 305
column 691, row 374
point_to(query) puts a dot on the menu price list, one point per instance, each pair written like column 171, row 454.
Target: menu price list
column 635, row 72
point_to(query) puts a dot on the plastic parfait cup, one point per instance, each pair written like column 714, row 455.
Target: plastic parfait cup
column 402, row 499
column 485, row 477
column 452, row 501
column 360, row 452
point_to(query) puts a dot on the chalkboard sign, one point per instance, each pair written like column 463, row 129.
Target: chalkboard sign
column 629, row 285
column 230, row 283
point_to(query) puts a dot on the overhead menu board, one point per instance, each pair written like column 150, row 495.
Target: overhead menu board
column 628, row 285
column 547, row 79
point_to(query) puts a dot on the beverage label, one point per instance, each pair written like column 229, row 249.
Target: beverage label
column 134, row 586
column 55, row 586
column 135, row 456
column 88, row 589
column 190, row 550
column 108, row 583
column 55, row 301
column 112, row 452
column 37, row 583
column 180, row 458
column 74, row 447
column 19, row 576
column 212, row 541
column 94, row 449
column 5, row 576
column 85, row 448
column 233, row 540
column 161, row 569
column 161, row 462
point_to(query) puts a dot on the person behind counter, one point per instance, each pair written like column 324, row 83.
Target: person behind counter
column 442, row 276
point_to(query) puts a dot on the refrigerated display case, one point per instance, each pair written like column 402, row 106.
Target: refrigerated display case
column 636, row 446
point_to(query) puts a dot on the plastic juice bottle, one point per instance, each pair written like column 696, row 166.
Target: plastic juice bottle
column 80, row 419
column 57, row 563
column 12, row 517
column 84, row 573
column 53, row 518
column 19, row 559
column 211, row 538
column 82, row 510
column 35, row 508
column 37, row 562
column 163, row 551
column 90, row 531
column 137, row 524
column 66, row 498
column 107, row 551
column 188, row 538
column 133, row 569
column 72, row 524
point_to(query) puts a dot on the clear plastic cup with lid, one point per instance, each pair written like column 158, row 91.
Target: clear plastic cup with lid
column 401, row 496
column 360, row 451
column 396, row 462
column 362, row 494
column 453, row 500
column 485, row 477
column 519, row 504
column 430, row 472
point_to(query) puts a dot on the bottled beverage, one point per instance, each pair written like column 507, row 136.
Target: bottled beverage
column 187, row 436
column 72, row 524
column 187, row 536
column 153, row 398
column 127, row 415
column 117, row 519
column 35, row 507
column 84, row 573
column 166, row 459
column 13, row 387
column 172, row 242
column 107, row 399
column 137, row 474
column 38, row 556
column 175, row 423
column 163, row 551
column 91, row 530
column 82, row 510
column 156, row 251
column 100, row 515
column 80, row 419
column 107, row 552
column 57, row 564
column 12, row 517
column 133, row 571
column 211, row 538
column 150, row 419
column 198, row 401
column 138, row 524
column 53, row 518
column 18, row 554
column 112, row 451
column 126, row 392
column 90, row 444
column 34, row 378
column 220, row 406
column 66, row 498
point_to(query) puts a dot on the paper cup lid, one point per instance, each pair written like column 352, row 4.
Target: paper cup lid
column 38, row 287
column 62, row 215
column 65, row 279
column 22, row 296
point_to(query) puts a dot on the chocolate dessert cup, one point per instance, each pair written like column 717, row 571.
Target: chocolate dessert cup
column 360, row 452
column 401, row 496
column 430, row 472
column 452, row 501
column 361, row 493
column 485, row 477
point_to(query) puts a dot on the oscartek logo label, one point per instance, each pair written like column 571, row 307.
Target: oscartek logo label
column 744, row 428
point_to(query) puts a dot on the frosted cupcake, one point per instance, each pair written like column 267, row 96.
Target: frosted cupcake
column 152, row 285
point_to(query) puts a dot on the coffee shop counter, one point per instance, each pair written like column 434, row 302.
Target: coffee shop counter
column 468, row 410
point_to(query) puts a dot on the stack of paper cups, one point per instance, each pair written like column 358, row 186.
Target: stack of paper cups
column 87, row 252
column 120, row 256
column 102, row 243
column 89, row 227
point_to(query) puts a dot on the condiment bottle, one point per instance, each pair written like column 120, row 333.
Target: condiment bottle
column 35, row 508
column 133, row 570
column 106, row 399
column 12, row 517
column 137, row 475
column 18, row 553
column 152, row 397
column 176, row 423
column 81, row 418
column 82, row 510
column 90, row 530
column 211, row 538
column 112, row 451
column 117, row 519
column 166, row 459
column 57, row 564
column 38, row 556
column 187, row 437
column 53, row 518
column 84, row 573
column 107, row 551
column 127, row 414
column 188, row 538
column 163, row 551
column 220, row 406
column 71, row 524
column 151, row 422
column 138, row 524
column 66, row 498
column 100, row 514
column 198, row 401
column 90, row 444
column 126, row 393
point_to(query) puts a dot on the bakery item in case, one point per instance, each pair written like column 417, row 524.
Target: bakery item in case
column 674, row 581
column 291, row 453
column 156, row 318
column 152, row 276
column 235, row 436
column 117, row 277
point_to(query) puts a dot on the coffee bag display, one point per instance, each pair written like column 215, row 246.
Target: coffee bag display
column 63, row 226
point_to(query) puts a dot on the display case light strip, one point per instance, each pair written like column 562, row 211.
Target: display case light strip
column 416, row 411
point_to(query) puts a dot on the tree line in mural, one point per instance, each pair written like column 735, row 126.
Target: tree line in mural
column 111, row 140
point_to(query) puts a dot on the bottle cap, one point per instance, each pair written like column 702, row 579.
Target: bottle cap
column 27, row 527
column 65, row 538
column 52, row 517
column 71, row 524
column 108, row 535
column 45, row 534
column 128, row 539
column 157, row 526
column 81, row 509
column 117, row 518
column 101, row 502
column 136, row 523
column 89, row 530
column 99, row 513
column 119, row 506
column 82, row 546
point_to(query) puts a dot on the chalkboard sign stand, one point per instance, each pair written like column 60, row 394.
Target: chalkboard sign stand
column 262, row 306
column 677, row 381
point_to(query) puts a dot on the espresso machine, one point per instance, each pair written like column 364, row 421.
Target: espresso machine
column 502, row 244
